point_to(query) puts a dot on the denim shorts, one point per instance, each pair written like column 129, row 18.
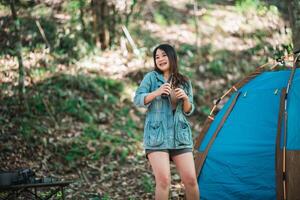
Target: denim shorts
column 172, row 152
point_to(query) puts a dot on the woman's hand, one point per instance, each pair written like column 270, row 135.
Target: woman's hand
column 164, row 89
column 180, row 94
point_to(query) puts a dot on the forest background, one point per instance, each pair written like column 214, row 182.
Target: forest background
column 69, row 69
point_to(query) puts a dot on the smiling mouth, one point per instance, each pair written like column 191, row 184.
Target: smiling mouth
column 162, row 64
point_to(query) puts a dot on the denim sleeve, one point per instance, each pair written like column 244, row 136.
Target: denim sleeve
column 191, row 99
column 142, row 91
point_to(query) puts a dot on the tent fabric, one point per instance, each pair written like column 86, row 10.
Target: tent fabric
column 241, row 161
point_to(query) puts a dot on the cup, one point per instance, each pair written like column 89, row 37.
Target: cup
column 168, row 81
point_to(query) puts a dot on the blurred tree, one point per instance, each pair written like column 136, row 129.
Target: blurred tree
column 294, row 18
column 101, row 22
column 17, row 48
column 128, row 15
column 107, row 16
column 81, row 16
column 18, row 51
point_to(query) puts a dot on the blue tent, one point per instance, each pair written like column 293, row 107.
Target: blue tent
column 251, row 148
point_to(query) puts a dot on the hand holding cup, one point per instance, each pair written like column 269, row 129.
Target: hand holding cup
column 180, row 94
column 164, row 89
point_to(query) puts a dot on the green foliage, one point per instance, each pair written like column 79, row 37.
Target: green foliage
column 110, row 85
column 283, row 50
column 94, row 144
column 77, row 151
column 106, row 197
column 186, row 48
column 26, row 128
column 46, row 194
column 147, row 183
column 81, row 98
column 2, row 5
column 205, row 110
column 273, row 9
column 19, row 3
column 78, row 108
column 31, row 34
column 70, row 47
column 187, row 59
column 216, row 67
column 244, row 5
column 164, row 14
column 66, row 41
column 209, row 2
column 127, row 125
column 40, row 71
column 64, row 92
column 74, row 6
column 160, row 19
column 38, row 106
column 260, row 35
column 255, row 5
column 148, row 40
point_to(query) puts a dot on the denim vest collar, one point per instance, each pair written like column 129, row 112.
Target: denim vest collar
column 160, row 76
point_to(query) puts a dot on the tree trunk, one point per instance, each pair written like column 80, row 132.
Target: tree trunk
column 101, row 18
column 81, row 18
column 18, row 51
column 133, row 4
column 112, row 25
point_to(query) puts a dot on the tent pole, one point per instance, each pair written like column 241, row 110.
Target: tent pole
column 285, row 126
column 201, row 160
column 279, row 153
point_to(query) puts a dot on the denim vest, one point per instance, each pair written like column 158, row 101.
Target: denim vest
column 162, row 128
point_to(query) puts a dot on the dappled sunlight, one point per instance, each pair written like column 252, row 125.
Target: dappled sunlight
column 174, row 34
column 223, row 28
column 113, row 64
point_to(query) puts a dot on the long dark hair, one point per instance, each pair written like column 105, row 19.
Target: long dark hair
column 178, row 78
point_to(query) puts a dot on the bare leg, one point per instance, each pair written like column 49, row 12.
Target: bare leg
column 160, row 164
column 186, row 168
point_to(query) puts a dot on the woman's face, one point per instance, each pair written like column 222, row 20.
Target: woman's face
column 162, row 60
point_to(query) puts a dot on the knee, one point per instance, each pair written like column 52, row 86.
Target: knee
column 190, row 181
column 164, row 182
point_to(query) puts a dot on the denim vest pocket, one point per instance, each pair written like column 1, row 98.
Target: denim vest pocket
column 154, row 133
column 183, row 135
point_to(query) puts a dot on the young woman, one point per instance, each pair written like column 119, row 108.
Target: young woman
column 168, row 97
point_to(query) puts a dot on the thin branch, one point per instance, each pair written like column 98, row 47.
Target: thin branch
column 130, row 40
column 37, row 22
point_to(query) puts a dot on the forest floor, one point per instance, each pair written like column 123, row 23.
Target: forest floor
column 80, row 123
